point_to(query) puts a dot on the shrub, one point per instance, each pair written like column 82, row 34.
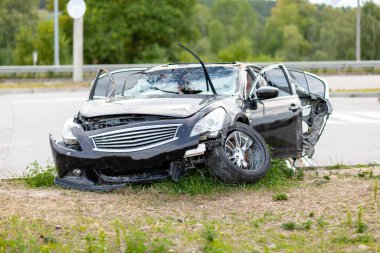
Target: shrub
column 280, row 197
column 36, row 176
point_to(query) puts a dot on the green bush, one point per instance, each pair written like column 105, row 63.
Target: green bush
column 36, row 176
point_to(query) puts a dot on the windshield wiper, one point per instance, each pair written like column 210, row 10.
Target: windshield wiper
column 166, row 91
column 208, row 79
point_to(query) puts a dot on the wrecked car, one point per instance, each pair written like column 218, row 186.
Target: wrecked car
column 145, row 125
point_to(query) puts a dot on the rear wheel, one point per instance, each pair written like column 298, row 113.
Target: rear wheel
column 242, row 158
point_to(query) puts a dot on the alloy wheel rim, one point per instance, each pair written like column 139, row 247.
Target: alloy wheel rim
column 243, row 151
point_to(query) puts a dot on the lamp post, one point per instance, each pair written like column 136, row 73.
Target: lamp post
column 76, row 10
column 358, row 49
column 56, row 34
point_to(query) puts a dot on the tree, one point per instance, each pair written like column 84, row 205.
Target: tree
column 41, row 40
column 286, row 29
column 370, row 35
column 13, row 14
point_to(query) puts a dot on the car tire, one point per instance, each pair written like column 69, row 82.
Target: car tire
column 222, row 164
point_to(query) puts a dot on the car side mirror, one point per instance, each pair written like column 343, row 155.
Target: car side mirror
column 267, row 92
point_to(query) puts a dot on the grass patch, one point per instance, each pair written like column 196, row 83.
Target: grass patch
column 340, row 166
column 202, row 182
column 280, row 197
column 36, row 176
column 353, row 240
column 368, row 90
column 290, row 226
column 366, row 174
column 326, row 177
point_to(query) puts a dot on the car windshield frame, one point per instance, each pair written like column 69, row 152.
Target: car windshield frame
column 172, row 80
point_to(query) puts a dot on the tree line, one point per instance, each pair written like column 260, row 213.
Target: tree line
column 147, row 31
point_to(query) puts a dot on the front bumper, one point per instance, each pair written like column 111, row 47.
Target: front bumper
column 118, row 168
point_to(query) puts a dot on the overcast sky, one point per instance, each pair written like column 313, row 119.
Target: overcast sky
column 351, row 3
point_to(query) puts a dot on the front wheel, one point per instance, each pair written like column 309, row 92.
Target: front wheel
column 243, row 156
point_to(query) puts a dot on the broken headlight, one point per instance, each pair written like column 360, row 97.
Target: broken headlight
column 212, row 123
column 67, row 134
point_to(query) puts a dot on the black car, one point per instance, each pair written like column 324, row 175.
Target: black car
column 144, row 125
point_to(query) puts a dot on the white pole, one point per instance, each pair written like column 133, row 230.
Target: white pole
column 56, row 34
column 358, row 51
column 78, row 50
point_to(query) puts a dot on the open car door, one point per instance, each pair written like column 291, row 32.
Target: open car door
column 278, row 119
column 313, row 92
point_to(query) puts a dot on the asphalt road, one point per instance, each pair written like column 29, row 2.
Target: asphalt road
column 352, row 135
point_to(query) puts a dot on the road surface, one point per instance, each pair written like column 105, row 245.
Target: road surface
column 352, row 135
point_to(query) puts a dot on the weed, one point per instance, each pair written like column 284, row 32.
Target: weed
column 360, row 226
column 300, row 175
column 326, row 177
column 36, row 176
column 280, row 197
column 349, row 219
column 375, row 190
column 366, row 174
column 293, row 226
column 135, row 242
column 306, row 224
column 311, row 214
column 209, row 234
column 213, row 245
column 289, row 226
column 159, row 245
column 117, row 225
column 321, row 222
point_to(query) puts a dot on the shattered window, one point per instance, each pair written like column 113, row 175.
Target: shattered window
column 123, row 80
column 185, row 80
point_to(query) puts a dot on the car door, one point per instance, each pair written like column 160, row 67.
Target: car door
column 279, row 119
column 311, row 83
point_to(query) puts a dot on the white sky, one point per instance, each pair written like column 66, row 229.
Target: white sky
column 338, row 3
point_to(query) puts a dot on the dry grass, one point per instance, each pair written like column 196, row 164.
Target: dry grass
column 237, row 221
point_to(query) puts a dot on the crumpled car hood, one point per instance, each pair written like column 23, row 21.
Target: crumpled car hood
column 173, row 107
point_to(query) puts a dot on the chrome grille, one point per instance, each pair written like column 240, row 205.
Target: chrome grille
column 135, row 138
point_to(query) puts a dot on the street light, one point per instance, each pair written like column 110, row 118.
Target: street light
column 358, row 49
column 76, row 10
column 56, row 34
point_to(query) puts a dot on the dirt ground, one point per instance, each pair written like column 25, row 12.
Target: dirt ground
column 241, row 221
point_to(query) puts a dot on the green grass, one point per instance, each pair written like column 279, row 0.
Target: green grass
column 294, row 226
column 368, row 90
column 36, row 176
column 280, row 197
column 202, row 182
column 340, row 166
